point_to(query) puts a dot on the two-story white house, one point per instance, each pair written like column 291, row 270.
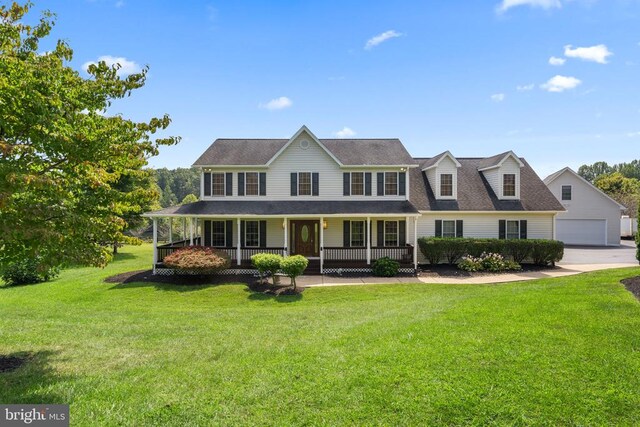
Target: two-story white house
column 344, row 203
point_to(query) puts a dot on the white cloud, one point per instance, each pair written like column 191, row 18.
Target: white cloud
column 554, row 60
column 560, row 83
column 126, row 66
column 598, row 53
column 544, row 4
column 277, row 104
column 633, row 134
column 525, row 88
column 498, row 97
column 119, row 4
column 345, row 132
column 382, row 37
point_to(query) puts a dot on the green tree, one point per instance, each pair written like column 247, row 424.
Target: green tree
column 623, row 190
column 591, row 172
column 189, row 198
column 61, row 157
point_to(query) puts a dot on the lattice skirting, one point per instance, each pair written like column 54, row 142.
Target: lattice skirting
column 362, row 270
column 228, row 272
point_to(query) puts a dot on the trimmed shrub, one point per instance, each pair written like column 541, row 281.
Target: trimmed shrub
column 477, row 247
column 546, row 252
column 27, row 272
column 454, row 249
column 294, row 266
column 266, row 263
column 518, row 250
column 431, row 249
column 386, row 267
column 198, row 259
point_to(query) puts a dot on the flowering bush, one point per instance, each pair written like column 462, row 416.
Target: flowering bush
column 487, row 262
column 198, row 259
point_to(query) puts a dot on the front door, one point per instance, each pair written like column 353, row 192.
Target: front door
column 304, row 238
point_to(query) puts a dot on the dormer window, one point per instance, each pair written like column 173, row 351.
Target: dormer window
column 509, row 185
column 446, row 185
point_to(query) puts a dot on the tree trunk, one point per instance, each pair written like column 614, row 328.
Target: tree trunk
column 115, row 249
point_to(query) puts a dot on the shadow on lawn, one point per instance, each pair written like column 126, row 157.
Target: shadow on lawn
column 165, row 286
column 261, row 295
column 175, row 283
column 32, row 380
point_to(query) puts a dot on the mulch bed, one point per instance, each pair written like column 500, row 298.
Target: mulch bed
column 146, row 276
column 11, row 363
column 633, row 285
column 445, row 270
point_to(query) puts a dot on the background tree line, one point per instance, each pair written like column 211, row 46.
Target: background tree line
column 621, row 182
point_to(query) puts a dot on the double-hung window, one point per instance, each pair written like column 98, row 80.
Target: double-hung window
column 509, row 185
column 252, row 234
column 217, row 184
column 357, row 234
column 252, row 184
column 391, row 183
column 446, row 185
column 304, row 183
column 513, row 229
column 357, row 183
column 218, row 234
column 448, row 228
column 566, row 192
column 391, row 233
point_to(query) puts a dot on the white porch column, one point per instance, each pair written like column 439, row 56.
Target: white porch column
column 321, row 244
column 415, row 242
column 238, row 252
column 285, row 225
column 170, row 230
column 155, row 244
column 368, row 236
column 184, row 229
column 190, row 231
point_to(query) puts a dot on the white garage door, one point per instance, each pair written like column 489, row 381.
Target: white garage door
column 582, row 231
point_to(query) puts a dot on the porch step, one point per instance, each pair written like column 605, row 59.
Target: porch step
column 313, row 267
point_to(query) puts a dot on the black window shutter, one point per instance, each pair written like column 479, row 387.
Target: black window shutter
column 229, row 184
column 241, row 242
column 346, row 184
column 367, row 184
column 502, row 229
column 402, row 183
column 523, row 228
column 207, row 184
column 315, row 184
column 380, row 233
column 402, row 233
column 438, row 228
column 207, row 233
column 294, row 184
column 263, row 234
column 240, row 183
column 459, row 232
column 346, row 234
column 263, row 183
column 228, row 229
column 380, row 183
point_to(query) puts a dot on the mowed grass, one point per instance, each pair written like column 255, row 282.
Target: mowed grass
column 557, row 352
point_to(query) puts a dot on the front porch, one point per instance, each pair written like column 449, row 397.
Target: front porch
column 332, row 244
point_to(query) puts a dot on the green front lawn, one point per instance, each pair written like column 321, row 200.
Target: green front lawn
column 557, row 351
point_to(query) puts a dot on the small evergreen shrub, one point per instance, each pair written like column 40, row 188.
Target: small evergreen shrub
column 518, row 249
column 27, row 272
column 266, row 263
column 294, row 266
column 546, row 252
column 386, row 267
column 198, row 259
column 431, row 249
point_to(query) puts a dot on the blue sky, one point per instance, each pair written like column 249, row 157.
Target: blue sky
column 472, row 77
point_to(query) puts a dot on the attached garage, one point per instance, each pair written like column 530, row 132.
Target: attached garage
column 592, row 232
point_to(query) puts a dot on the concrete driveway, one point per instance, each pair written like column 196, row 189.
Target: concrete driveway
column 623, row 254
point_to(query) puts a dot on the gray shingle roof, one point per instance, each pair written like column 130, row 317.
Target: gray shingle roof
column 475, row 193
column 492, row 161
column 356, row 152
column 286, row 207
column 425, row 163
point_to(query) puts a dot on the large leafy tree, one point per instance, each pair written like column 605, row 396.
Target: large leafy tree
column 623, row 190
column 63, row 163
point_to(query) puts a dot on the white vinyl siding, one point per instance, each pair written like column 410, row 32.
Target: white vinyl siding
column 587, row 203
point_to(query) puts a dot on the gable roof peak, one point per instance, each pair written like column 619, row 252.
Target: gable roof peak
column 497, row 161
column 435, row 161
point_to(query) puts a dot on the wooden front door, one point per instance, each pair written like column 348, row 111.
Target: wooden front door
column 304, row 238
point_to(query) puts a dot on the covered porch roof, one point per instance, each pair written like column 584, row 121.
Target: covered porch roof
column 238, row 208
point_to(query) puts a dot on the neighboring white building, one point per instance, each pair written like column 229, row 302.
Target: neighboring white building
column 591, row 218
column 343, row 203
